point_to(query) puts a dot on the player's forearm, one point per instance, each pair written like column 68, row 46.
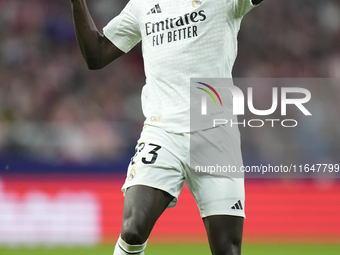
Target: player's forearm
column 89, row 39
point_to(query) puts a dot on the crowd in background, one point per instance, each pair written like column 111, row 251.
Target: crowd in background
column 53, row 108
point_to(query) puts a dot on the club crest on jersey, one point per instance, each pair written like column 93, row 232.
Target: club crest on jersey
column 196, row 3
column 132, row 173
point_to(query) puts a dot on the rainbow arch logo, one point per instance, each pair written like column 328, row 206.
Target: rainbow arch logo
column 209, row 93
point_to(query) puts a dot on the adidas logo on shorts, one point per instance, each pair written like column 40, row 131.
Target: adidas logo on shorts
column 237, row 206
column 156, row 9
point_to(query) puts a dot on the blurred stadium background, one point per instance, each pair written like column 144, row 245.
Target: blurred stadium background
column 67, row 133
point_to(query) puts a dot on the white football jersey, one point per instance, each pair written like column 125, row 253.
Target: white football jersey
column 181, row 39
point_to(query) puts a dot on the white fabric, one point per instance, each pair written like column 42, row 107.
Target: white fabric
column 123, row 248
column 184, row 39
column 176, row 161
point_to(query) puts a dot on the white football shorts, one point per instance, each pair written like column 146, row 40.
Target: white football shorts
column 202, row 158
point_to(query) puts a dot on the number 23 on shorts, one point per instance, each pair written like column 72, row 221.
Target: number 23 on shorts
column 151, row 156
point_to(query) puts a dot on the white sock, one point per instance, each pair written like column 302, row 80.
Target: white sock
column 122, row 248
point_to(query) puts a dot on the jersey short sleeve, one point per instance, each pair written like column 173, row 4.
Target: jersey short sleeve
column 123, row 31
column 242, row 7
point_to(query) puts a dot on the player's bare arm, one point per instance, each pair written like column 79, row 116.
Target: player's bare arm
column 97, row 50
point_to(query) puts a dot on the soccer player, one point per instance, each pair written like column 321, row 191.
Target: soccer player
column 181, row 39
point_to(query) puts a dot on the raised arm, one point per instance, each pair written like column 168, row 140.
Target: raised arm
column 97, row 50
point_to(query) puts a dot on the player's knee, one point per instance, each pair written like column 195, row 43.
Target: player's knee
column 231, row 249
column 132, row 233
column 228, row 247
column 235, row 245
column 235, row 249
column 132, row 236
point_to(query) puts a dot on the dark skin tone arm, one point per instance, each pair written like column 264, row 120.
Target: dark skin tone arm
column 97, row 50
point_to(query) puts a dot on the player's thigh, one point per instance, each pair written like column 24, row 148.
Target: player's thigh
column 142, row 207
column 224, row 233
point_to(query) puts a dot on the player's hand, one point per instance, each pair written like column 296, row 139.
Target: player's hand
column 256, row 2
